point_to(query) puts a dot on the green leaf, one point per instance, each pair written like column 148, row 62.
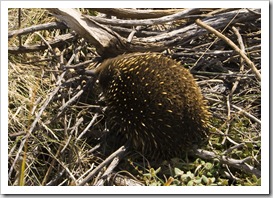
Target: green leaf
column 190, row 183
column 208, row 166
column 178, row 172
column 205, row 179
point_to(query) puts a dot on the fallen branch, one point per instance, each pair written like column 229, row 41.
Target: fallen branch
column 192, row 31
column 238, row 164
column 130, row 23
column 109, row 44
column 136, row 14
column 120, row 180
column 231, row 44
column 239, row 109
column 100, row 36
column 57, row 42
column 118, row 152
column 34, row 28
column 107, row 172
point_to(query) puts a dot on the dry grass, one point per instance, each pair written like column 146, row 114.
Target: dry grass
column 54, row 131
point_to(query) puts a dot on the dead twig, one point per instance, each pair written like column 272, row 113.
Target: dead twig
column 57, row 42
column 241, row 43
column 231, row 44
column 118, row 152
column 88, row 126
column 238, row 108
column 34, row 123
column 34, row 28
column 135, row 13
column 107, row 172
column 238, row 164
column 141, row 22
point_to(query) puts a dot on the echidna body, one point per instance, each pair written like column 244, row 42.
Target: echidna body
column 154, row 102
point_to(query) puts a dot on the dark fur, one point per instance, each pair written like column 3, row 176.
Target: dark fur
column 154, row 102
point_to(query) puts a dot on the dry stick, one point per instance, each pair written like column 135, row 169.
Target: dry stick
column 79, row 121
column 55, row 157
column 73, row 99
column 52, row 164
column 45, row 41
column 85, row 173
column 229, row 97
column 58, row 41
column 212, row 43
column 109, row 170
column 193, row 52
column 50, row 131
column 227, row 121
column 103, row 38
column 120, row 180
column 34, row 28
column 136, row 14
column 151, row 43
column 223, row 134
column 229, row 174
column 203, row 73
column 75, row 52
column 93, row 149
column 136, row 22
column 241, row 43
column 79, row 65
column 38, row 117
column 221, row 10
column 192, row 31
column 252, row 11
column 19, row 25
column 97, row 178
column 232, row 148
column 232, row 141
column 61, row 110
column 118, row 152
column 238, row 164
column 55, row 179
column 247, row 114
column 131, row 35
column 65, row 121
column 231, row 44
column 88, row 126
column 67, row 104
column 126, row 31
column 238, row 108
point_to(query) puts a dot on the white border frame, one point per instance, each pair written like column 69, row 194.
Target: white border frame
column 263, row 189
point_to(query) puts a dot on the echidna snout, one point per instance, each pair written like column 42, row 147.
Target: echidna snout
column 154, row 102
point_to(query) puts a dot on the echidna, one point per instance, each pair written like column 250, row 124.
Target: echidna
column 154, row 102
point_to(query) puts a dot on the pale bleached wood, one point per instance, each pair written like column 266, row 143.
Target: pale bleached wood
column 135, row 13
